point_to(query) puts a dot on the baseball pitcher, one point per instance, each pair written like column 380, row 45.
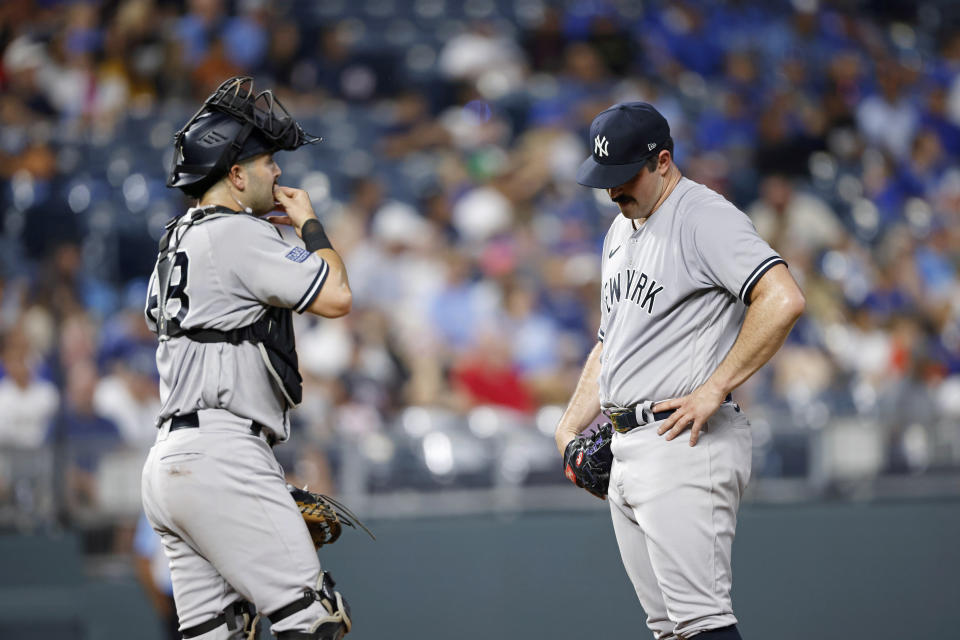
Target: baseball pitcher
column 693, row 302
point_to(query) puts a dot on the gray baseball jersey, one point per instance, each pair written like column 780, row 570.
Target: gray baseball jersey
column 226, row 273
column 674, row 294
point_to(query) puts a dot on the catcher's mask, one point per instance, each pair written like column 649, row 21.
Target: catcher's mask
column 233, row 124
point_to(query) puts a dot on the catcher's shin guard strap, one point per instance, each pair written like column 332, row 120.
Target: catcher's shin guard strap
column 239, row 609
column 329, row 627
column 205, row 627
column 326, row 631
column 309, row 597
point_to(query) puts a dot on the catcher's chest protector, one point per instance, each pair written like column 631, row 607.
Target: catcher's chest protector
column 272, row 333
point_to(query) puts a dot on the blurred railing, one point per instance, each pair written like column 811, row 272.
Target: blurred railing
column 435, row 462
column 84, row 485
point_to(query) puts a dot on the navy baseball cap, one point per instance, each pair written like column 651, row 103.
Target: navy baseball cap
column 623, row 138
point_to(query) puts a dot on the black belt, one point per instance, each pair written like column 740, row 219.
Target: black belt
column 625, row 420
column 186, row 421
column 256, row 428
column 192, row 421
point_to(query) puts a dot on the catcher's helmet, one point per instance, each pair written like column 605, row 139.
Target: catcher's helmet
column 232, row 125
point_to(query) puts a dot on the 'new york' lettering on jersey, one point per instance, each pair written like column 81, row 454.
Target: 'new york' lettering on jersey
column 673, row 294
column 637, row 287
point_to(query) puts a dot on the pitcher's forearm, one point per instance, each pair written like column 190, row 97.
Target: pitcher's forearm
column 769, row 320
column 585, row 403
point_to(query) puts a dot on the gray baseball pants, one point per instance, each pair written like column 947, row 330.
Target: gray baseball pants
column 674, row 510
column 217, row 497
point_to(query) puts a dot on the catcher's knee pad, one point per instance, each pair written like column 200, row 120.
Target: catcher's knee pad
column 332, row 626
column 240, row 619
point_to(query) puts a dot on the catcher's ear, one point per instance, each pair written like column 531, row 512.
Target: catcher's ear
column 237, row 177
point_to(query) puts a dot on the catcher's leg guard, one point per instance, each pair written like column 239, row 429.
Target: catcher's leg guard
column 240, row 618
column 333, row 626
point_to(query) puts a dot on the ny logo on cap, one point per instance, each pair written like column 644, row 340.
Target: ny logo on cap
column 600, row 146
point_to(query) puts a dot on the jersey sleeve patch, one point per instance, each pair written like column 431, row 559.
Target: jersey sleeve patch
column 297, row 254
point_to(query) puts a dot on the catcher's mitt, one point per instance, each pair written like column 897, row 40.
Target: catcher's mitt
column 324, row 516
column 587, row 461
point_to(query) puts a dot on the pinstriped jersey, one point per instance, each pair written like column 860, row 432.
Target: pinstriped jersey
column 226, row 272
column 674, row 294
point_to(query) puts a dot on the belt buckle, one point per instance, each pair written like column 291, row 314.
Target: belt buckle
column 615, row 419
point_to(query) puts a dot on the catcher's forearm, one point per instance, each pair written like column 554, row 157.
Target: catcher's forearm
column 585, row 403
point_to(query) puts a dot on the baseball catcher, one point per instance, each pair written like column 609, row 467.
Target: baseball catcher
column 221, row 300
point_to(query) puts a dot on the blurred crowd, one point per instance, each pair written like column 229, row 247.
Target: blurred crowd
column 452, row 133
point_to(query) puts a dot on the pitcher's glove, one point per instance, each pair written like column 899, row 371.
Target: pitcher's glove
column 324, row 516
column 587, row 461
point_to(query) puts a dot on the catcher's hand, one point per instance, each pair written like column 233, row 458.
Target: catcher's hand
column 324, row 516
column 587, row 461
